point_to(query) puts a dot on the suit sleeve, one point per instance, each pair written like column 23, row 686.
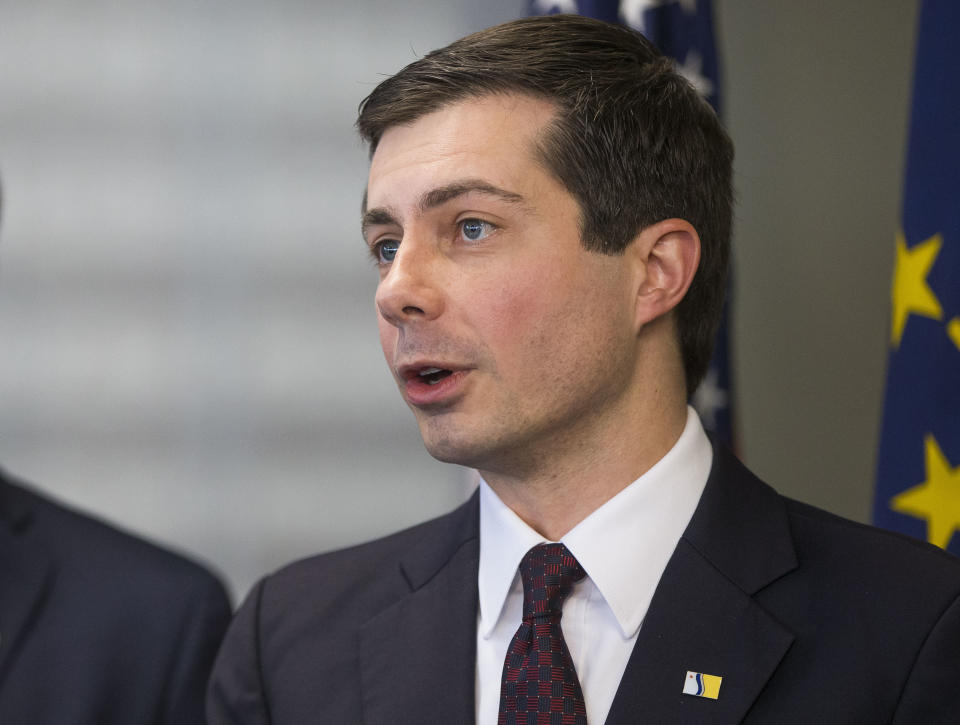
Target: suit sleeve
column 202, row 627
column 235, row 695
column 931, row 695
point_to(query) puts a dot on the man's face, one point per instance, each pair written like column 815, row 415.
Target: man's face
column 507, row 339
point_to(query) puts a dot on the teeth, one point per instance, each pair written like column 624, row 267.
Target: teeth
column 429, row 371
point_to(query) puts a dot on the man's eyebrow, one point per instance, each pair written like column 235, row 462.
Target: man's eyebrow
column 376, row 217
column 443, row 194
column 437, row 197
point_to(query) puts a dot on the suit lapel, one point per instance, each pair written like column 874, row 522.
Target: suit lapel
column 703, row 617
column 24, row 574
column 698, row 621
column 418, row 657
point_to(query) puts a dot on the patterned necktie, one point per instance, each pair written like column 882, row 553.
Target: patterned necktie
column 539, row 684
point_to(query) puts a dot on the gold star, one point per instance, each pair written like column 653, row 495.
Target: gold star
column 953, row 331
column 937, row 499
column 910, row 293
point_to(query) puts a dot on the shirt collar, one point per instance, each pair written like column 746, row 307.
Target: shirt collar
column 504, row 539
column 624, row 545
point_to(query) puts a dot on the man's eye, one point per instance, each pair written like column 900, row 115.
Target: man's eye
column 475, row 229
column 386, row 252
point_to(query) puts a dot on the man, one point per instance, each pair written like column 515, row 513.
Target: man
column 96, row 626
column 549, row 206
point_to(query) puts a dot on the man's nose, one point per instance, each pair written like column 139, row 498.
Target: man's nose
column 411, row 289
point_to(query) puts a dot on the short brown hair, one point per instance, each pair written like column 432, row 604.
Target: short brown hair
column 632, row 141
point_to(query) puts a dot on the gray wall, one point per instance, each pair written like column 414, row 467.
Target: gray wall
column 818, row 101
column 186, row 311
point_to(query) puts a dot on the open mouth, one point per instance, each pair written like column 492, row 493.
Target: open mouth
column 432, row 376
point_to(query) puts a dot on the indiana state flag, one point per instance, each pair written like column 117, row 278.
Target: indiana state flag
column 918, row 469
column 683, row 30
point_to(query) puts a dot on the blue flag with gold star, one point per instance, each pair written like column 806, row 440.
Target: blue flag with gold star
column 683, row 30
column 918, row 468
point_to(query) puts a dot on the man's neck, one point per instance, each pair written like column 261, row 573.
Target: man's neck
column 576, row 478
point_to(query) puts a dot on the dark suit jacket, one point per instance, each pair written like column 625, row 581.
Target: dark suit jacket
column 807, row 617
column 98, row 627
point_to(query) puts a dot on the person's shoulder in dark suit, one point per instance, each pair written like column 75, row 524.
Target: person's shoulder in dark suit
column 872, row 616
column 98, row 626
column 305, row 621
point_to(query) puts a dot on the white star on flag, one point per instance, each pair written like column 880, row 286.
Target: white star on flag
column 631, row 11
column 545, row 7
column 709, row 399
column 692, row 70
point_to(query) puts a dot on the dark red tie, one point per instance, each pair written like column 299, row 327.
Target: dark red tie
column 539, row 684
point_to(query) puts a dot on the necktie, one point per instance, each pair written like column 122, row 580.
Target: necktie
column 539, row 684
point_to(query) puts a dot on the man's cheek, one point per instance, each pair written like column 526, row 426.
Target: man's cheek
column 518, row 305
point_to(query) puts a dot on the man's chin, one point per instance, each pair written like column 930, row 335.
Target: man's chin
column 449, row 451
column 451, row 445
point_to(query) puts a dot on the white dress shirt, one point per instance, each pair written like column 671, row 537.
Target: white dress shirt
column 623, row 546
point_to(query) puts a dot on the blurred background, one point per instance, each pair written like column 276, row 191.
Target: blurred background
column 188, row 335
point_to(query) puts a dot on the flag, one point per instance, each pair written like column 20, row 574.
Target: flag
column 918, row 465
column 702, row 685
column 683, row 30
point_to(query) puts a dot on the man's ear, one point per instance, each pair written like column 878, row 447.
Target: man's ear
column 665, row 255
